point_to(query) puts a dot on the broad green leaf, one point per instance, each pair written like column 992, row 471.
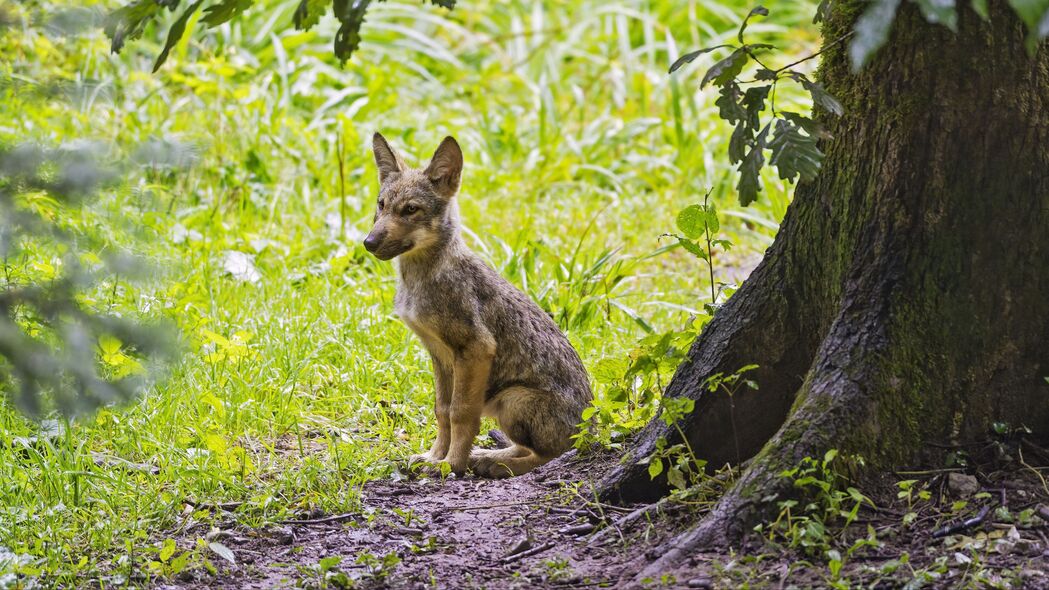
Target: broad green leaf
column 1035, row 14
column 822, row 11
column 794, row 154
column 691, row 56
column 871, row 32
column 941, row 12
column 713, row 224
column 610, row 369
column 980, row 6
column 729, row 108
column 692, row 221
column 655, row 467
column 224, row 11
column 175, row 34
column 309, row 13
column 811, row 127
column 757, row 10
column 129, row 22
column 725, row 70
column 823, row 98
column 676, row 479
column 754, row 103
column 348, row 37
column 167, row 550
column 737, row 144
column 750, row 168
column 693, row 248
column 1031, row 12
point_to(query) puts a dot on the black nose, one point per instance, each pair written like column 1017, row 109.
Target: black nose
column 372, row 242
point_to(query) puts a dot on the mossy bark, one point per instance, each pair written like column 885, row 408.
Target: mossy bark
column 906, row 298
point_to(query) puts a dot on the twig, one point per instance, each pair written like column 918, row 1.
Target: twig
column 964, row 525
column 663, row 504
column 487, row 506
column 325, row 520
column 814, row 55
column 577, row 530
column 213, row 505
column 931, row 471
column 1020, row 453
column 533, row 551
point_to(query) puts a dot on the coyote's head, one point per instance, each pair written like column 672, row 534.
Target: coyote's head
column 415, row 210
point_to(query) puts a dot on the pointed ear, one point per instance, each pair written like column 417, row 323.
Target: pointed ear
column 446, row 167
column 388, row 161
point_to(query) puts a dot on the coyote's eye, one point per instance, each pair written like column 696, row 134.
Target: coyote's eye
column 410, row 209
column 381, row 203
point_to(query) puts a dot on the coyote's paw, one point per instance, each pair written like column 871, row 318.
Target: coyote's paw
column 425, row 464
column 484, row 465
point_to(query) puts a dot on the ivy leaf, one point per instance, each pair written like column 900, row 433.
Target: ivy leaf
column 821, row 97
column 757, row 10
column 309, row 13
column 871, row 31
column 694, row 248
column 941, row 12
column 794, row 154
column 980, row 7
column 726, row 70
column 749, row 170
column 224, row 11
column 691, row 56
column 175, row 34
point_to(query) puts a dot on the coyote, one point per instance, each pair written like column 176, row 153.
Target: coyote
column 494, row 352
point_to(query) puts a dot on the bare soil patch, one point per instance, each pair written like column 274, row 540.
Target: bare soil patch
column 539, row 531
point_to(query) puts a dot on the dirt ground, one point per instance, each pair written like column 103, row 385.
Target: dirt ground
column 542, row 531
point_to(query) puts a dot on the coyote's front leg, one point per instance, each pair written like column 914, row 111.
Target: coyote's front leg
column 442, row 385
column 470, row 380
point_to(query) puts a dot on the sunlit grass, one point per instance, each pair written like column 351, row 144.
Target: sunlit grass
column 292, row 391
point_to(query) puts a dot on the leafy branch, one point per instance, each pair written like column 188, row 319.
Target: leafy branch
column 789, row 137
column 130, row 20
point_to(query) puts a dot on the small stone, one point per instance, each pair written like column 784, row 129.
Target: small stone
column 1027, row 547
column 961, row 485
column 283, row 535
column 1031, row 574
column 704, row 583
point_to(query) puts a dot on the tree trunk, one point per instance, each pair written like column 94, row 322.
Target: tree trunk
column 906, row 297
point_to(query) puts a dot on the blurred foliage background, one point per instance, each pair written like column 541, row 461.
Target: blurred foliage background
column 242, row 183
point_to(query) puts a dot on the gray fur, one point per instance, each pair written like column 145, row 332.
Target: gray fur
column 495, row 352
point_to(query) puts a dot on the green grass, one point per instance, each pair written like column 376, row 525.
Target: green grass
column 290, row 392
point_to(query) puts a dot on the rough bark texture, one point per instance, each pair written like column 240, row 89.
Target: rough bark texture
column 906, row 298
